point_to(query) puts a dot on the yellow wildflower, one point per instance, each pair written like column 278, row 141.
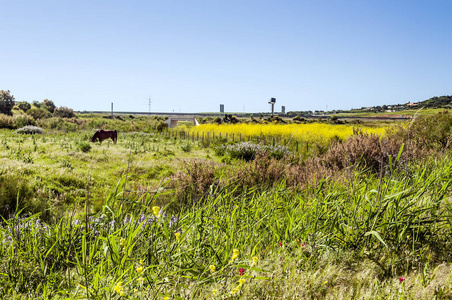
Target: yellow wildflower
column 236, row 290
column 214, row 291
column 119, row 289
column 122, row 242
column 156, row 210
column 140, row 269
column 212, row 268
column 255, row 259
column 165, row 298
column 141, row 261
column 177, row 234
column 241, row 281
column 235, row 254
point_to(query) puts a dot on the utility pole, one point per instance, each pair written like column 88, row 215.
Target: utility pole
column 149, row 103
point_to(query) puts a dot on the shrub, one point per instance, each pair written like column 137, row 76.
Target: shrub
column 7, row 121
column 160, row 126
column 24, row 120
column 186, row 148
column 37, row 104
column 64, row 112
column 84, row 146
column 248, row 151
column 431, row 132
column 23, row 105
column 48, row 105
column 195, row 181
column 39, row 113
column 13, row 191
column 6, row 102
column 30, row 129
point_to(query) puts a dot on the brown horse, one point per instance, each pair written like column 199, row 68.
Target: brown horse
column 105, row 134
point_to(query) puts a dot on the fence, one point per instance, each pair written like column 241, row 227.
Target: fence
column 207, row 137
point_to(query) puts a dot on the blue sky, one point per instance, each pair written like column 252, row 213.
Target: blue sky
column 192, row 56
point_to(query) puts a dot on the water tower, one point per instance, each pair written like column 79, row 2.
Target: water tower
column 272, row 102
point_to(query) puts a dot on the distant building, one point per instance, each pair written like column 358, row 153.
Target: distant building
column 411, row 104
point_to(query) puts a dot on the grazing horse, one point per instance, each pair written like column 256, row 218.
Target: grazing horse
column 105, row 134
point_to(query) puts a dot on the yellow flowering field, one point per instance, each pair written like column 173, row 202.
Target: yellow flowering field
column 312, row 133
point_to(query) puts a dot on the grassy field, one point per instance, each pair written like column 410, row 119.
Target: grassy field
column 403, row 113
column 159, row 217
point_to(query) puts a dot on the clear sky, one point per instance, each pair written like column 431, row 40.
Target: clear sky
column 193, row 55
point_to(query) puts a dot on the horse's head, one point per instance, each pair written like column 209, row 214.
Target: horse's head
column 95, row 137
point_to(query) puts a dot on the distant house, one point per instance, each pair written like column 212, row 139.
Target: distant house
column 411, row 104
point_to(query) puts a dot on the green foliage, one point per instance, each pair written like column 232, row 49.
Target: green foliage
column 37, row 104
column 48, row 105
column 64, row 112
column 15, row 194
column 431, row 132
column 437, row 102
column 160, row 125
column 186, row 148
column 24, row 120
column 23, row 105
column 7, row 121
column 6, row 102
column 38, row 113
column 84, row 146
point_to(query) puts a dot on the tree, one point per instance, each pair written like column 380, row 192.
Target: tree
column 49, row 105
column 39, row 113
column 6, row 102
column 23, row 105
column 64, row 112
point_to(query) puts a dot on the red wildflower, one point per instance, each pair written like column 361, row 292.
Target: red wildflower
column 401, row 279
column 280, row 244
column 242, row 271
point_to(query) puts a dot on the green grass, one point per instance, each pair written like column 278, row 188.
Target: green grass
column 348, row 237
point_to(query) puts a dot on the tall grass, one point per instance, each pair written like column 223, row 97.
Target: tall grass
column 133, row 249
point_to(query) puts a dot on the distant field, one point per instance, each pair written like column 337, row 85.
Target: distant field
column 311, row 133
column 404, row 113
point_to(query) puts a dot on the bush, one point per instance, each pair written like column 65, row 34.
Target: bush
column 30, row 129
column 7, row 122
column 23, row 105
column 64, row 112
column 39, row 113
column 160, row 125
column 84, row 146
column 13, row 191
column 431, row 132
column 24, row 120
column 48, row 105
column 186, row 148
column 248, row 151
column 6, row 102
